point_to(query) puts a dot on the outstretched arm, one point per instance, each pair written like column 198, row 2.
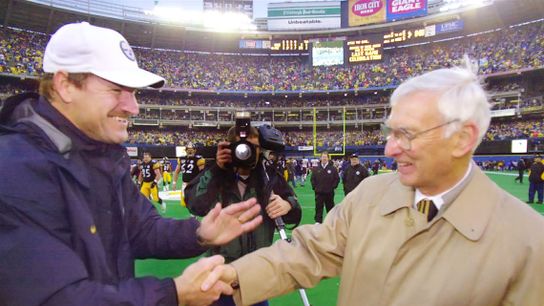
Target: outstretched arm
column 220, row 226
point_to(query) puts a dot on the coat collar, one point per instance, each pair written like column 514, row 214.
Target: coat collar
column 469, row 213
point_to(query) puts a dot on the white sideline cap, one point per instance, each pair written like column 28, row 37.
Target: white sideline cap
column 84, row 48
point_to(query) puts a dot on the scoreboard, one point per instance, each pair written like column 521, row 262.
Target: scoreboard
column 289, row 45
column 364, row 49
column 403, row 35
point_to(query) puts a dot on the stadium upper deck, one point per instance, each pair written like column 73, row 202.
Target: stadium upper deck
column 204, row 86
column 503, row 50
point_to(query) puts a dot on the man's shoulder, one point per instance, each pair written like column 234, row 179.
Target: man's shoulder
column 384, row 179
column 18, row 148
column 379, row 184
column 522, row 218
column 23, row 165
column 520, row 215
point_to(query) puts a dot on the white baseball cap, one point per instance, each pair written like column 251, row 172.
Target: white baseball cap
column 84, row 48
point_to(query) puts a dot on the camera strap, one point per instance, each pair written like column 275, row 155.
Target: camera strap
column 242, row 179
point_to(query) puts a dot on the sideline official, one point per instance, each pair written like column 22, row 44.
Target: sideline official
column 354, row 174
column 324, row 180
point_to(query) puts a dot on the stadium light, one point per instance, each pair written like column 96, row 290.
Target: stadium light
column 213, row 20
column 456, row 4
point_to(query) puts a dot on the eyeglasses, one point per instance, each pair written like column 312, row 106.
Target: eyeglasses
column 404, row 138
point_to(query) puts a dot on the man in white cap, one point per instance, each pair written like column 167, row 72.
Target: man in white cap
column 73, row 238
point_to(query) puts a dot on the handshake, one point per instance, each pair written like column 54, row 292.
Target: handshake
column 204, row 281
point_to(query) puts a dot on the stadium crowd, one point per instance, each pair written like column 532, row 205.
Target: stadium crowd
column 518, row 129
column 151, row 97
column 505, row 50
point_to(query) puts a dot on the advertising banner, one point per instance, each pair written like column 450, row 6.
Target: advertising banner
column 451, row 26
column 132, row 151
column 503, row 112
column 403, row 9
column 361, row 12
column 304, row 15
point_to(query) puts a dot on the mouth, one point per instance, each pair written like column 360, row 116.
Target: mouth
column 121, row 120
column 404, row 167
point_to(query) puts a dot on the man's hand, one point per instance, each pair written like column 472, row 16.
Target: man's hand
column 220, row 226
column 277, row 206
column 220, row 273
column 223, row 156
column 188, row 284
column 153, row 184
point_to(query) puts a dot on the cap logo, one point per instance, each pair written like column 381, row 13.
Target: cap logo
column 127, row 50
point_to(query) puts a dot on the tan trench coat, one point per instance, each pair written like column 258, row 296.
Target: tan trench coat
column 486, row 249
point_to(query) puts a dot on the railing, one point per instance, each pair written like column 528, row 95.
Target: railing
column 99, row 8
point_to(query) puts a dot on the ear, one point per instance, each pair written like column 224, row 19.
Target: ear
column 64, row 88
column 466, row 139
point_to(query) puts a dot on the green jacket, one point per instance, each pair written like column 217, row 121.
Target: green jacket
column 217, row 185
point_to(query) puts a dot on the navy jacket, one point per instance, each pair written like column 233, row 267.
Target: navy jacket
column 72, row 222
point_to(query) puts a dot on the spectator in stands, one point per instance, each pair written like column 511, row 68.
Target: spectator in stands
column 73, row 239
column 432, row 233
column 509, row 49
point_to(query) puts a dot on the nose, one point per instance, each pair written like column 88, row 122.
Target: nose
column 129, row 103
column 392, row 148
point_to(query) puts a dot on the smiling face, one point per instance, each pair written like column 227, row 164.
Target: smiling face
column 324, row 158
column 354, row 161
column 99, row 108
column 429, row 164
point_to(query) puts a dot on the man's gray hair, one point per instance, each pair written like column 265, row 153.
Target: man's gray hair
column 461, row 96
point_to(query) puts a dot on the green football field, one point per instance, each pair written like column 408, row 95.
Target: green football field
column 326, row 292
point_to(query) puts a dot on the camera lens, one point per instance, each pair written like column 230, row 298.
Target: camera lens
column 242, row 151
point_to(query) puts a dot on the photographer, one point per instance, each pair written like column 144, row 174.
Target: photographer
column 229, row 182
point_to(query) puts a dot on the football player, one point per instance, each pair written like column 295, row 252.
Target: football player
column 149, row 178
column 188, row 166
column 166, row 174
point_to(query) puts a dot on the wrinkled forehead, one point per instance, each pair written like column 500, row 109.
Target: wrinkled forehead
column 418, row 108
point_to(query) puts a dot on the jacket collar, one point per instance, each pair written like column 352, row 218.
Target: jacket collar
column 61, row 140
column 469, row 213
column 79, row 141
column 396, row 197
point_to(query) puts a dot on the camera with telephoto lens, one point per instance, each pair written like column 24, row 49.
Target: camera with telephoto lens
column 244, row 152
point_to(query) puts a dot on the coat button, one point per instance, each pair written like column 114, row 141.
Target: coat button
column 409, row 221
column 93, row 229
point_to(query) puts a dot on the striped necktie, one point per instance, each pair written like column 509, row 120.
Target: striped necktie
column 427, row 208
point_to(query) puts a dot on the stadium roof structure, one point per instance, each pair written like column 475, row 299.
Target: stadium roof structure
column 47, row 16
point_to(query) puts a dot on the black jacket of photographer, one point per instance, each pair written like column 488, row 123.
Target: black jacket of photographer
column 352, row 176
column 218, row 185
